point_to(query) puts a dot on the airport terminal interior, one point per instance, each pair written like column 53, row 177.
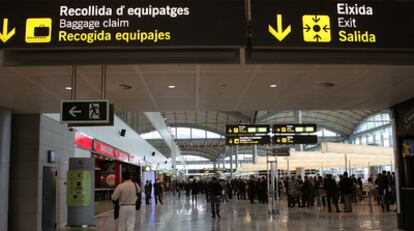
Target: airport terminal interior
column 270, row 117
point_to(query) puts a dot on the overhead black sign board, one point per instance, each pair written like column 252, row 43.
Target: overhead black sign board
column 247, row 140
column 236, row 129
column 294, row 128
column 281, row 152
column 81, row 112
column 295, row 139
column 332, row 24
column 123, row 24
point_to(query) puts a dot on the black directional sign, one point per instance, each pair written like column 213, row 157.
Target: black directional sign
column 281, row 152
column 93, row 112
column 295, row 139
column 247, row 140
column 123, row 24
column 332, row 24
column 294, row 128
column 237, row 129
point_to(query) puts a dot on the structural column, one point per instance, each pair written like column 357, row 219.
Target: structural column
column 174, row 159
column 254, row 154
column 231, row 163
column 298, row 119
column 224, row 160
column 236, row 153
column 5, row 136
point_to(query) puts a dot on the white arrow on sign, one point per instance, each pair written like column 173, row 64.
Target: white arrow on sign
column 73, row 111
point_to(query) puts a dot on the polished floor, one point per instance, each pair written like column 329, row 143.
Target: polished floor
column 180, row 214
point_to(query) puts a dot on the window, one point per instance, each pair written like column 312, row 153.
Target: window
column 198, row 133
column 326, row 133
column 151, row 135
column 373, row 121
column 185, row 133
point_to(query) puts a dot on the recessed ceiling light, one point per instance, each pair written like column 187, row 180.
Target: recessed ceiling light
column 273, row 85
column 327, row 84
column 125, row 86
column 171, row 86
column 68, row 88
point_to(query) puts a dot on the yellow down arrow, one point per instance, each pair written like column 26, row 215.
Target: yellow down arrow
column 279, row 33
column 6, row 34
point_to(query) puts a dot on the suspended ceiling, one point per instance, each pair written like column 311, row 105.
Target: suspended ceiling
column 201, row 88
column 210, row 96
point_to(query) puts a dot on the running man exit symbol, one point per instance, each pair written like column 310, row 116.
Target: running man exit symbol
column 94, row 112
column 316, row 28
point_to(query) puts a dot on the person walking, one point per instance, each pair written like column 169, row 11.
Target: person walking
column 147, row 191
column 307, row 193
column 346, row 187
column 223, row 185
column 370, row 188
column 158, row 192
column 332, row 192
column 127, row 194
column 195, row 189
column 215, row 197
column 251, row 184
column 383, row 191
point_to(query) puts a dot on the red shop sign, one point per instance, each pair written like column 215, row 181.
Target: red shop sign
column 123, row 156
column 83, row 141
column 104, row 149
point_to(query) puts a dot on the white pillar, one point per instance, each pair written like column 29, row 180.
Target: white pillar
column 300, row 171
column 236, row 152
column 254, row 154
column 298, row 119
column 231, row 163
column 174, row 159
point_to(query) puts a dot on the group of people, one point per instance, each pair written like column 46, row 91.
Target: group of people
column 322, row 191
column 158, row 189
column 244, row 189
column 349, row 189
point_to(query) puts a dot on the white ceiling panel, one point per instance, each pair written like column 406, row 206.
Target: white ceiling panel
column 213, row 87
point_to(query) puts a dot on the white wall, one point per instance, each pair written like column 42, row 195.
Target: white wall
column 33, row 135
column 57, row 137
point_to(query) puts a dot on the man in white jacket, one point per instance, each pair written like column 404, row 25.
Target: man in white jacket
column 127, row 194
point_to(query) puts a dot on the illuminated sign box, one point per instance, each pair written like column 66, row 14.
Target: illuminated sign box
column 238, row 129
column 294, row 128
column 124, row 24
column 332, row 25
column 295, row 139
column 247, row 140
